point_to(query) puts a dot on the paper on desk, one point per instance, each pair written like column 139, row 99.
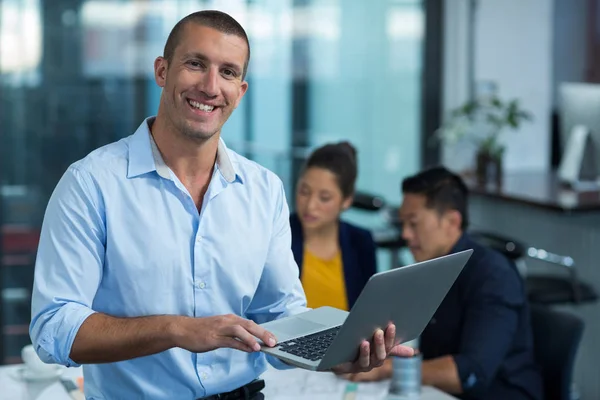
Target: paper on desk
column 296, row 384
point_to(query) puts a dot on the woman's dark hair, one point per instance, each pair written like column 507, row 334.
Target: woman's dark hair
column 340, row 159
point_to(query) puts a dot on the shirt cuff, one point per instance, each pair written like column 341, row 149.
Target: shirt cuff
column 58, row 334
column 466, row 373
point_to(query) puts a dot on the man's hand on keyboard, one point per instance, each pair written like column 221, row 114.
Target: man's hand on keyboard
column 384, row 346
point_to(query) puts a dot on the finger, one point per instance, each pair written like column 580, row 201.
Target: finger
column 402, row 351
column 379, row 343
column 364, row 359
column 267, row 337
column 390, row 337
column 240, row 333
column 236, row 344
column 375, row 362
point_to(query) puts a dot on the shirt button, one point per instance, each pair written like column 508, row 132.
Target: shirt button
column 198, row 238
column 201, row 285
column 204, row 376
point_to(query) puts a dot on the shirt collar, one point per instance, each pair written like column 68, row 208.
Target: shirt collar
column 145, row 157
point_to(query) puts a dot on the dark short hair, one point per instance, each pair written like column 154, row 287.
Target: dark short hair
column 339, row 159
column 218, row 20
column 443, row 191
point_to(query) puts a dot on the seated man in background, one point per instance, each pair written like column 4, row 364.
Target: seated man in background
column 336, row 258
column 478, row 345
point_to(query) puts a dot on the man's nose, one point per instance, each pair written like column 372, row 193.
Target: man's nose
column 406, row 233
column 210, row 82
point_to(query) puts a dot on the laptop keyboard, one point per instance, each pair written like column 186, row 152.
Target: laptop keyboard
column 311, row 347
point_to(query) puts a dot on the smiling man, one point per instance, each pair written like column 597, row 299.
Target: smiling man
column 161, row 253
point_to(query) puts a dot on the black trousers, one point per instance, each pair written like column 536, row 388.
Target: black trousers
column 250, row 391
column 255, row 396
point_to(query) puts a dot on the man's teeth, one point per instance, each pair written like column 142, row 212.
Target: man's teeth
column 200, row 106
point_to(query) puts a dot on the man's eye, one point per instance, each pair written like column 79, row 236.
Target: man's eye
column 195, row 64
column 229, row 73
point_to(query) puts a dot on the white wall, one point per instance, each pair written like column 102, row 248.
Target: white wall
column 513, row 48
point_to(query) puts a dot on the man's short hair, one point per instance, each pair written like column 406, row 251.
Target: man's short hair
column 218, row 20
column 443, row 191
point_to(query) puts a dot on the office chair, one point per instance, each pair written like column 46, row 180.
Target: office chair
column 368, row 202
column 542, row 288
column 556, row 338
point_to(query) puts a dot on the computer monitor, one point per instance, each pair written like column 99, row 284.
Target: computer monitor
column 579, row 104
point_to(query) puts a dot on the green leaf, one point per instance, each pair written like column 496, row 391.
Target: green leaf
column 496, row 102
column 493, row 112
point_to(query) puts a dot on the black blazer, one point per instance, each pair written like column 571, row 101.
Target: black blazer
column 358, row 255
column 484, row 323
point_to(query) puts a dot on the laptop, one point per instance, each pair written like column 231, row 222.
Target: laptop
column 324, row 337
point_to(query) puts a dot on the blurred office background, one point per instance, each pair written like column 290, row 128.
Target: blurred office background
column 77, row 74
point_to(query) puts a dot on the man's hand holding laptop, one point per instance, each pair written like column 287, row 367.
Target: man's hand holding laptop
column 370, row 358
column 239, row 333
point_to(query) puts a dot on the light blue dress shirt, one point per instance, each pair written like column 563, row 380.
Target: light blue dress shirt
column 122, row 236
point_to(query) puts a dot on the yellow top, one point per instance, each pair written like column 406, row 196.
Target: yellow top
column 323, row 281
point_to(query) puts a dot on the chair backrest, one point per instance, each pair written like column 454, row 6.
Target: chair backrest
column 556, row 337
column 367, row 201
column 510, row 248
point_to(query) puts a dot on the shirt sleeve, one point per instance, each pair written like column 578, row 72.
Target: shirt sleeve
column 279, row 292
column 68, row 266
column 489, row 327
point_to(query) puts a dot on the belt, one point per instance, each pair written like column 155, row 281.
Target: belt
column 242, row 393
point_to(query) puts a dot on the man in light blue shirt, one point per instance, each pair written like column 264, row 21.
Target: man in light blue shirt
column 161, row 253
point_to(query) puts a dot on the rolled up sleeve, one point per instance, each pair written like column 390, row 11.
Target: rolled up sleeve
column 68, row 266
column 491, row 321
column 280, row 292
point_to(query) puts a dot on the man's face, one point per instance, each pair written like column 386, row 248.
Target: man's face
column 202, row 84
column 427, row 233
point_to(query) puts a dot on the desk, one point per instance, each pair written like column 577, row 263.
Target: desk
column 294, row 384
column 539, row 189
column 300, row 384
column 17, row 389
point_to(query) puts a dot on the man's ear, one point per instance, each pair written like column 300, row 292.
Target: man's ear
column 454, row 218
column 243, row 90
column 161, row 66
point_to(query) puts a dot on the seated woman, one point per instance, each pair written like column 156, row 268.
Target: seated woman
column 336, row 259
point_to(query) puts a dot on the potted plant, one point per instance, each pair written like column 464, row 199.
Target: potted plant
column 482, row 121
